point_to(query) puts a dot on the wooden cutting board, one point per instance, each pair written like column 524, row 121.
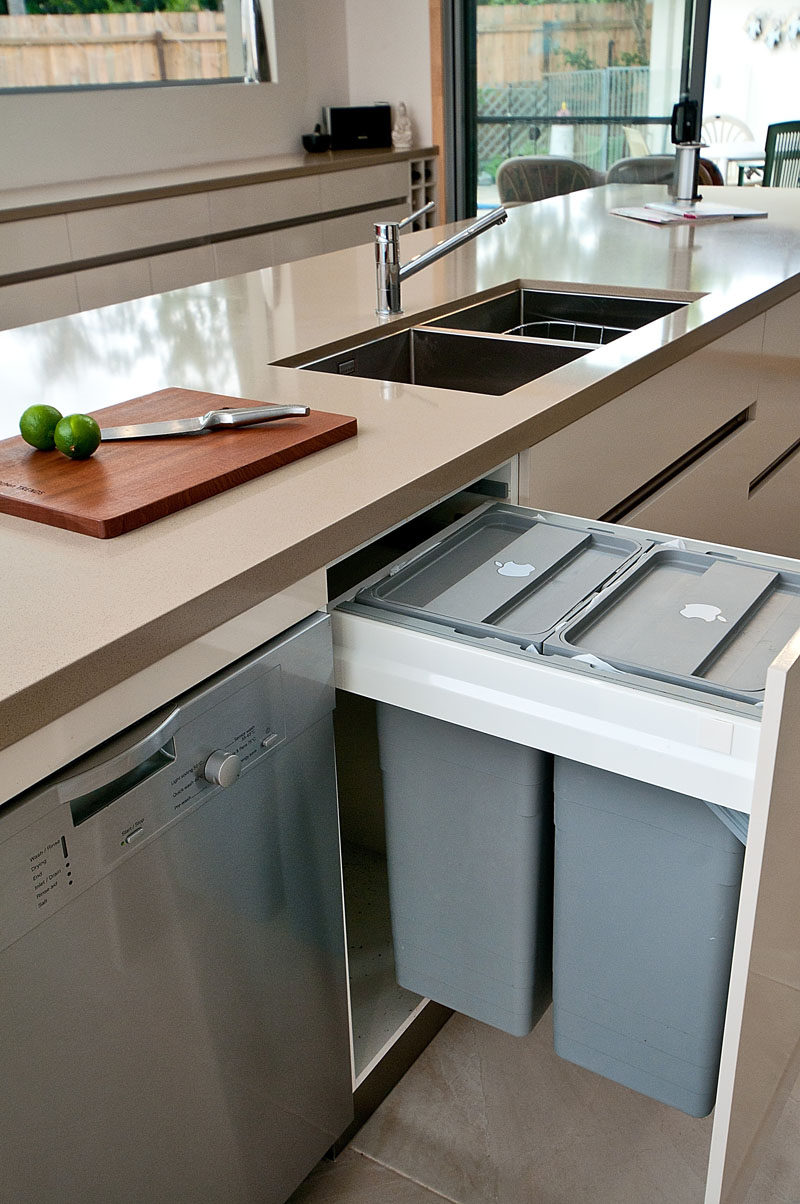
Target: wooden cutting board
column 129, row 483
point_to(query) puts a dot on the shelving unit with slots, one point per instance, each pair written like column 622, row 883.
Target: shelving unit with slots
column 424, row 189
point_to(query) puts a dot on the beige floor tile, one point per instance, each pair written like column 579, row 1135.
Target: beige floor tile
column 484, row 1118
column 778, row 1178
column 354, row 1179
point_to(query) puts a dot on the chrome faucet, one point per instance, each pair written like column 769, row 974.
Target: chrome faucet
column 390, row 272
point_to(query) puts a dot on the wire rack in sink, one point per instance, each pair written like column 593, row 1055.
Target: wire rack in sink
column 572, row 332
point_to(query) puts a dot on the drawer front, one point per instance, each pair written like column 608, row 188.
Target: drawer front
column 33, row 243
column 119, row 228
column 707, row 500
column 341, row 189
column 178, row 269
column 38, row 300
column 263, row 204
column 114, row 282
column 594, row 465
column 643, row 735
column 353, row 229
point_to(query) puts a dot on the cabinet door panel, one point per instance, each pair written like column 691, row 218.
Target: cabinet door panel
column 759, row 1066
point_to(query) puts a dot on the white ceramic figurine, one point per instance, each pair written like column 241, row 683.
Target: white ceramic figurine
column 402, row 133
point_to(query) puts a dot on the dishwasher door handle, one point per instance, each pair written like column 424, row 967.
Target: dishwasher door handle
column 101, row 784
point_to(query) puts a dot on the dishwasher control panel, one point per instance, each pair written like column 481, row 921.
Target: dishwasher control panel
column 119, row 798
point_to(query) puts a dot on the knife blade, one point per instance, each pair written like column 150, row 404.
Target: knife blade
column 238, row 416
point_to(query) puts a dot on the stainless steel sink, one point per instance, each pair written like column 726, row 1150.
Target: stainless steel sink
column 580, row 317
column 474, row 363
column 495, row 345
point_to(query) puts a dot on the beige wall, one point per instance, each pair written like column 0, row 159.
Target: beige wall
column 329, row 52
column 388, row 57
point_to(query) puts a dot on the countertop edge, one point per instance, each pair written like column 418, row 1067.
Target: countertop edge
column 124, row 190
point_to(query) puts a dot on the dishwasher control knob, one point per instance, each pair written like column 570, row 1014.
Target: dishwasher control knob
column 222, row 768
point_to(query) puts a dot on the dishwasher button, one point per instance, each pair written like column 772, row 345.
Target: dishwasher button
column 132, row 836
column 222, row 768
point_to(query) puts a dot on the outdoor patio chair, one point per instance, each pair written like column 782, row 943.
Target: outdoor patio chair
column 533, row 177
column 642, row 169
column 658, row 169
column 722, row 128
column 637, row 143
column 782, row 155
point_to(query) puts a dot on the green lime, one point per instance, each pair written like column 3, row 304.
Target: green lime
column 77, row 436
column 37, row 425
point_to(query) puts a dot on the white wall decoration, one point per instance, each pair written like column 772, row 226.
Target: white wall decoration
column 773, row 28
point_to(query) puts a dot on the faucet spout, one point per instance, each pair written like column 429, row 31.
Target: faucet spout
column 390, row 273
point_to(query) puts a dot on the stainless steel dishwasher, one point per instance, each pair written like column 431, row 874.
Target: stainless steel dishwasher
column 172, row 965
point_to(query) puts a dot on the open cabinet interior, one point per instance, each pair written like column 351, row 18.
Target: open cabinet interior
column 390, row 1024
column 380, row 1008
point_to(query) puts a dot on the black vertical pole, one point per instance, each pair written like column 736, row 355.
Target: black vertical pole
column 470, row 53
column 693, row 61
column 459, row 28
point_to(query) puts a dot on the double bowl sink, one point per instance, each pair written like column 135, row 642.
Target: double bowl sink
column 496, row 345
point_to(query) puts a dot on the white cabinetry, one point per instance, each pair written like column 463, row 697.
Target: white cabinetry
column 109, row 249
column 744, row 492
column 618, row 460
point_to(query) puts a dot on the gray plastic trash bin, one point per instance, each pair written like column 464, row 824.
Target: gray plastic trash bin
column 469, row 844
column 646, row 897
column 647, row 880
column 469, row 817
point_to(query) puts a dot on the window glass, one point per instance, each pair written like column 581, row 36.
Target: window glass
column 69, row 43
column 591, row 80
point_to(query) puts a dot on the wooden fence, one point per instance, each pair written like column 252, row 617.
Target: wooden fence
column 519, row 43
column 111, row 48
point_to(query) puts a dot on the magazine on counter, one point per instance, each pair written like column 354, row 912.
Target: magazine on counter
column 665, row 213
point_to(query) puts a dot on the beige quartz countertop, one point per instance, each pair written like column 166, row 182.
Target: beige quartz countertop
column 116, row 190
column 82, row 614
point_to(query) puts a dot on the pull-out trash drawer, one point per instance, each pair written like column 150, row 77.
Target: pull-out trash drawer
column 635, row 663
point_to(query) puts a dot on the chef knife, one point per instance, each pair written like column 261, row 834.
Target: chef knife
column 239, row 416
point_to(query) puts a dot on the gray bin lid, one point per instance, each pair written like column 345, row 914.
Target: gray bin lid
column 508, row 573
column 707, row 620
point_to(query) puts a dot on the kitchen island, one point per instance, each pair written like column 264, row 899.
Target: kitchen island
column 667, row 421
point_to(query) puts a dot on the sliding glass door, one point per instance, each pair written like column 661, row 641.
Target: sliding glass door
column 592, row 80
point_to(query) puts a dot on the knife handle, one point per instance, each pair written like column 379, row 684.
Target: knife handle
column 247, row 415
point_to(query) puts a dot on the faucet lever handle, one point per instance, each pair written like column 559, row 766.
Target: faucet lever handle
column 412, row 217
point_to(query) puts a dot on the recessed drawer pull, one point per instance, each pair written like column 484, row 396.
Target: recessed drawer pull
column 777, row 463
column 690, row 457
